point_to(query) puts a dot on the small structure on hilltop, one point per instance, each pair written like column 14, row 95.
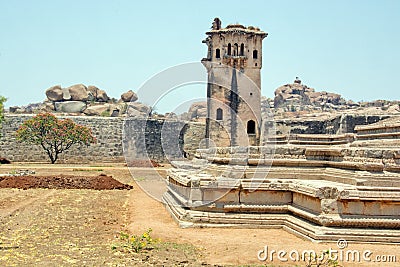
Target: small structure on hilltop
column 319, row 187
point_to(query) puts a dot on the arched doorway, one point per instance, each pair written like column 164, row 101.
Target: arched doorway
column 251, row 127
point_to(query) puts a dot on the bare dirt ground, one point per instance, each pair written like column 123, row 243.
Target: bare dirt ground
column 78, row 227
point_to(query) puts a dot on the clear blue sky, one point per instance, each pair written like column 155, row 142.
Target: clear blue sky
column 348, row 47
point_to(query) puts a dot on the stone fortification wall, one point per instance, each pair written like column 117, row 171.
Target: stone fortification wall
column 159, row 140
column 156, row 138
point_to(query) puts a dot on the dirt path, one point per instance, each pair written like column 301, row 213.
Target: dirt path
column 46, row 227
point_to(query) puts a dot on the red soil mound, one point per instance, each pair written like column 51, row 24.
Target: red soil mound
column 101, row 182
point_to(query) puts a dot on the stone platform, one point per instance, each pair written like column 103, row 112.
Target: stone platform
column 321, row 210
column 319, row 192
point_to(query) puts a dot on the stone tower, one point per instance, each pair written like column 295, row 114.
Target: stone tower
column 233, row 64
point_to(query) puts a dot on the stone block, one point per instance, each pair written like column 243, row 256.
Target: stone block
column 262, row 197
column 222, row 195
column 307, row 202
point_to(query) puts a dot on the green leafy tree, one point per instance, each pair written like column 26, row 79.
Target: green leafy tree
column 54, row 135
column 2, row 100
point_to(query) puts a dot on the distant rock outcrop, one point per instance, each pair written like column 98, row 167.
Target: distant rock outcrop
column 296, row 96
column 77, row 98
column 80, row 99
column 198, row 110
column 70, row 106
column 97, row 110
column 97, row 94
column 129, row 96
column 55, row 93
column 138, row 109
column 78, row 92
column 46, row 106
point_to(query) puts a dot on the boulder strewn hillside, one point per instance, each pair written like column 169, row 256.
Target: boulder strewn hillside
column 300, row 109
column 80, row 99
column 297, row 97
column 295, row 105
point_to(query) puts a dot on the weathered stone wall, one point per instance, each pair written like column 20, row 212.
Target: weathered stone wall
column 194, row 138
column 334, row 125
column 159, row 140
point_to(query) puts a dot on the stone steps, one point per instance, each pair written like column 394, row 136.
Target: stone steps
column 289, row 222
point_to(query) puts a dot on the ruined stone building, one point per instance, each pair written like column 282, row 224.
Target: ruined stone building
column 320, row 187
column 233, row 64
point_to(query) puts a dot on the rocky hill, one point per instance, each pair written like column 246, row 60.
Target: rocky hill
column 80, row 99
column 295, row 108
column 298, row 97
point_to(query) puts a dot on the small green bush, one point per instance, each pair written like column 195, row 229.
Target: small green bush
column 137, row 243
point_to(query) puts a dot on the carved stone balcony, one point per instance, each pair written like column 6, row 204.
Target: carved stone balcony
column 235, row 57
